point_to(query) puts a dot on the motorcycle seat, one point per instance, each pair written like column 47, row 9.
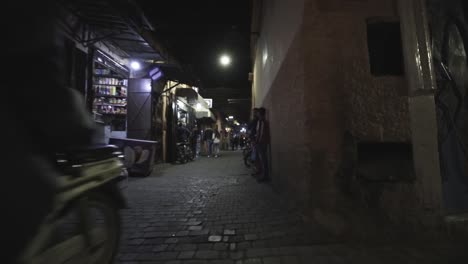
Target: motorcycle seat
column 89, row 154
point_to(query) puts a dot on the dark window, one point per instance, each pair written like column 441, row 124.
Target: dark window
column 385, row 49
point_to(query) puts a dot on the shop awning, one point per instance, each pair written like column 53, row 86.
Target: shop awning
column 196, row 101
column 119, row 24
column 189, row 93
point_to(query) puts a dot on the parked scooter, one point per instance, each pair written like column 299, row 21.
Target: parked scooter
column 84, row 226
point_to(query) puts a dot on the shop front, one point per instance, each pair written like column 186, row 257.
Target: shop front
column 119, row 81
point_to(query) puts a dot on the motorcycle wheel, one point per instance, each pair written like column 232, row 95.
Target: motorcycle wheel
column 103, row 211
column 181, row 157
column 88, row 233
column 190, row 155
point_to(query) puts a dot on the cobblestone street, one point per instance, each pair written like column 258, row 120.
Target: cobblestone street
column 213, row 211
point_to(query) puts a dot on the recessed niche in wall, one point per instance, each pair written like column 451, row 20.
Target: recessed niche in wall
column 385, row 48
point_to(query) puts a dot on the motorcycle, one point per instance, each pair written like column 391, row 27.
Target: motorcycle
column 84, row 225
column 184, row 152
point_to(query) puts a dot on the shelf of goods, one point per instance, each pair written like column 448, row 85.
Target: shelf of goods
column 110, row 93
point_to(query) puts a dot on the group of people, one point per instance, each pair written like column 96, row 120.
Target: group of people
column 211, row 138
column 259, row 134
column 237, row 140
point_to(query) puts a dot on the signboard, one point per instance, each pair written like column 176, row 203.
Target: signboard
column 209, row 102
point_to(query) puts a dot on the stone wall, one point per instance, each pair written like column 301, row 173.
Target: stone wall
column 286, row 104
column 322, row 91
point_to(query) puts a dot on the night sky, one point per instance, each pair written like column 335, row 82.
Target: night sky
column 197, row 33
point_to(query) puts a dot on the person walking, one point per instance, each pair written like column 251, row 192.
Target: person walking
column 242, row 141
column 208, row 137
column 236, row 141
column 231, row 140
column 195, row 140
column 216, row 143
column 224, row 140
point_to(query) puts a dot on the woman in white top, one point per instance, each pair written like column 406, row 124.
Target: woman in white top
column 216, row 143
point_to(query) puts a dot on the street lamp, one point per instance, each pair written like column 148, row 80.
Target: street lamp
column 225, row 60
column 135, row 65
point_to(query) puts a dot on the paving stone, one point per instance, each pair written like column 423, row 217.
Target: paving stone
column 144, row 248
column 215, row 238
column 229, row 232
column 259, row 252
column 218, row 196
column 186, row 255
column 199, row 232
column 232, row 246
column 244, row 245
column 166, row 255
column 259, row 244
column 288, row 250
column 236, row 238
column 171, row 247
column 207, row 254
column 271, row 260
column 182, row 233
column 216, row 230
column 252, row 261
column 205, row 246
column 136, row 235
column 155, row 234
column 125, row 257
column 291, row 260
column 220, row 246
column 221, row 261
column 251, row 237
column 186, row 247
column 185, row 240
column 160, row 248
column 236, row 255
column 136, row 241
column 171, row 240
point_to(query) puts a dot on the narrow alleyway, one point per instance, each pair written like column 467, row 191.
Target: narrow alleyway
column 213, row 211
